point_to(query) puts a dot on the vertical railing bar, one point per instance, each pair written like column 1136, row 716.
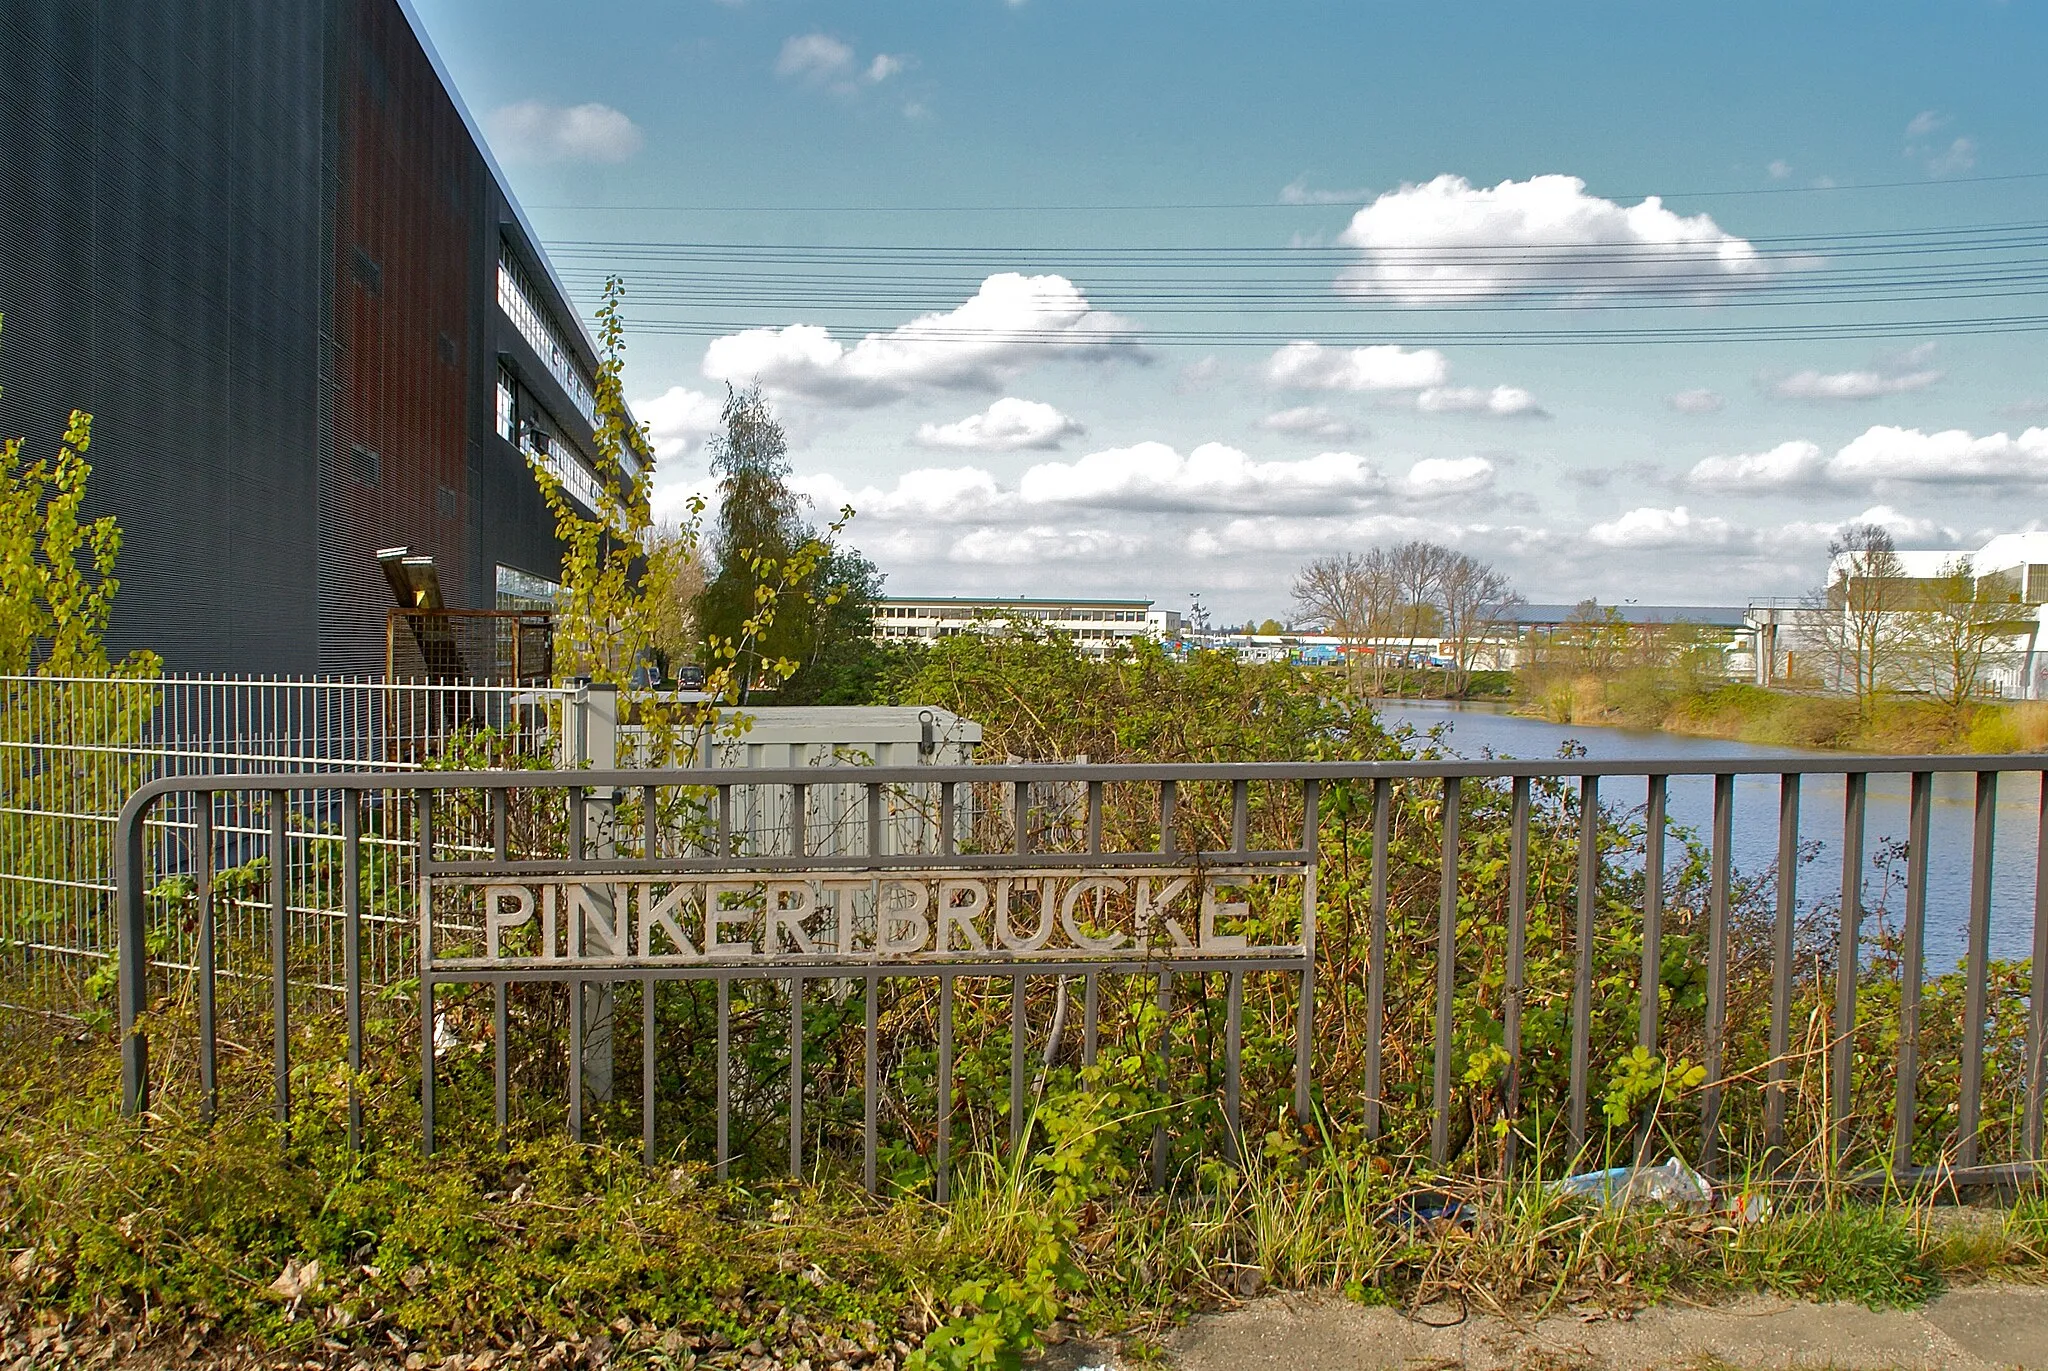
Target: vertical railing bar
column 1095, row 816
column 946, row 818
column 1165, row 1083
column 796, row 1076
column 650, row 822
column 1233, row 1062
column 2037, row 988
column 1240, row 814
column 1582, row 976
column 1017, row 1030
column 724, row 821
column 1782, row 921
column 423, row 803
column 869, row 1079
column 874, row 801
column 1305, row 1008
column 648, row 1020
column 501, row 1008
column 351, row 952
column 209, row 1080
column 1169, row 841
column 943, row 1146
column 1718, row 884
column 1020, row 814
column 1376, row 964
column 1653, row 913
column 800, row 819
column 1446, row 973
column 1518, row 939
column 1842, row 1066
column 280, row 953
column 1978, row 971
column 1091, row 1004
column 576, row 1054
column 1919, row 826
column 724, row 1053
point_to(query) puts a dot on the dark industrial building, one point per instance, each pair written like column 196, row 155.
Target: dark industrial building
column 265, row 245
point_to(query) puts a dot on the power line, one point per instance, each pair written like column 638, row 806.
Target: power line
column 1278, row 204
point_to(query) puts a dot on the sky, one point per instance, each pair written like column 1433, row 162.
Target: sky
column 1164, row 298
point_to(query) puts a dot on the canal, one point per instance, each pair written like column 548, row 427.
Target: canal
column 1479, row 731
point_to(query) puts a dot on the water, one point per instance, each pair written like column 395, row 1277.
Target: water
column 1477, row 731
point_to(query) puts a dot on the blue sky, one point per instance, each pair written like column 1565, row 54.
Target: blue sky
column 1065, row 432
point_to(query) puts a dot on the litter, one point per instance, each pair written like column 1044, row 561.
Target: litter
column 1420, row 1207
column 1673, row 1183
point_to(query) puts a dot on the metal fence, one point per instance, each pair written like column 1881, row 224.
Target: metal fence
column 73, row 750
column 1510, row 937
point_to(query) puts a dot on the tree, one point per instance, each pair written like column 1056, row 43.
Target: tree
column 1866, row 591
column 1417, row 569
column 844, row 665
column 675, row 584
column 1474, row 598
column 1352, row 596
column 1956, row 628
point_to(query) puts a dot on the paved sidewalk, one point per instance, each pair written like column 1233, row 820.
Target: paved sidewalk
column 1974, row 1329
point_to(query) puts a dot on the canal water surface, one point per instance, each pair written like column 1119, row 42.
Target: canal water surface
column 1478, row 731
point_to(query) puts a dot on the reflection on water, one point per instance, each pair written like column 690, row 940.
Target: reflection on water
column 1477, row 731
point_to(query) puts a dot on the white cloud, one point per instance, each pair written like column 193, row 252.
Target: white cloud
column 1700, row 401
column 1785, row 466
column 1154, row 476
column 1299, row 192
column 1779, row 169
column 927, row 495
column 536, row 131
column 813, row 57
column 1950, row 457
column 1448, row 240
column 678, row 419
column 1011, row 322
column 1310, row 421
column 1435, row 478
column 884, row 66
column 1382, row 366
column 1648, row 528
column 1039, row 544
column 1005, row 426
column 1926, row 122
column 1955, row 159
column 1507, row 402
column 1867, row 384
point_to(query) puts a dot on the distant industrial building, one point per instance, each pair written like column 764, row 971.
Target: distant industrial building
column 267, row 248
column 1096, row 626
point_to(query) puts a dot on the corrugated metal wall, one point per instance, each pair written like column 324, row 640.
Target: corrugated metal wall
column 258, row 242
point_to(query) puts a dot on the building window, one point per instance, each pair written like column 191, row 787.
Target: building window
column 517, row 298
column 447, row 347
column 367, row 270
column 522, row 590
column 365, row 465
column 446, row 502
column 508, row 408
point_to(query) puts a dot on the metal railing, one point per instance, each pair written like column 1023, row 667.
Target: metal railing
column 1510, row 910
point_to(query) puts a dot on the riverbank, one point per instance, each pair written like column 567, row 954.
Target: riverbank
column 1782, row 718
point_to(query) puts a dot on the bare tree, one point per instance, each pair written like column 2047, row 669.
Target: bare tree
column 1417, row 570
column 1354, row 597
column 1956, row 628
column 1866, row 591
column 1474, row 599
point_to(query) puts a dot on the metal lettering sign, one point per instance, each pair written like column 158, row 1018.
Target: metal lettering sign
column 898, row 918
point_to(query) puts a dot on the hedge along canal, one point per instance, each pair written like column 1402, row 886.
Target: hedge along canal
column 1480, row 730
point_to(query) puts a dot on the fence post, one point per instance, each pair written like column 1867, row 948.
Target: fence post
column 133, row 960
column 593, row 742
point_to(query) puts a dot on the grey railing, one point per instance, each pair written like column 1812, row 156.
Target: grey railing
column 1047, row 823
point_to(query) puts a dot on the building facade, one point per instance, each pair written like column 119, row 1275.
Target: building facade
column 267, row 248
column 1096, row 626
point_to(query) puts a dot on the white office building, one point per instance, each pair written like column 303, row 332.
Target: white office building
column 1097, row 626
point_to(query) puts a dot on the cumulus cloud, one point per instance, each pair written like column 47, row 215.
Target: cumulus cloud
column 1382, row 366
column 1950, row 457
column 1310, row 421
column 927, row 495
column 1154, row 476
column 536, row 131
column 678, row 420
column 1011, row 322
column 1925, row 122
column 1894, row 375
column 1647, row 528
column 813, row 57
column 1435, row 478
column 1941, row 156
column 1005, row 426
column 1779, row 169
column 1447, row 239
column 1506, row 402
column 1784, row 467
column 1698, row 401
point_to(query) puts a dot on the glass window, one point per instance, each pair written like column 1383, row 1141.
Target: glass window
column 517, row 298
column 522, row 590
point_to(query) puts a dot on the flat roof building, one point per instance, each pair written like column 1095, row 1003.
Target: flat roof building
column 1097, row 626
column 267, row 248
